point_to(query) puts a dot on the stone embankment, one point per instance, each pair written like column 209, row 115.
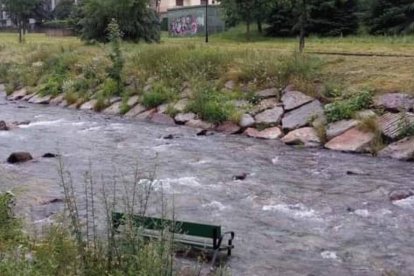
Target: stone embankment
column 291, row 116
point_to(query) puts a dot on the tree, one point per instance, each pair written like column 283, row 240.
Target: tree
column 63, row 9
column 333, row 17
column 320, row 17
column 391, row 17
column 135, row 19
column 20, row 11
column 248, row 11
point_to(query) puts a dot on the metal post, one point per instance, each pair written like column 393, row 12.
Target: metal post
column 206, row 21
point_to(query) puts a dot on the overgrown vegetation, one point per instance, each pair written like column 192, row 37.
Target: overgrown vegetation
column 211, row 105
column 83, row 241
column 346, row 108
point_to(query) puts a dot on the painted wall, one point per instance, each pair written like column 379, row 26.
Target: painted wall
column 189, row 21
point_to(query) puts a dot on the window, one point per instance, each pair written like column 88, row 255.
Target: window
column 179, row 3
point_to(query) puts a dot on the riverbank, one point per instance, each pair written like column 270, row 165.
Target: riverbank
column 264, row 92
column 382, row 125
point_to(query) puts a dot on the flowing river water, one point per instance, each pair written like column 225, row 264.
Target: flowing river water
column 298, row 212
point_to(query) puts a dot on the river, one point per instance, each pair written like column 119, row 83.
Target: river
column 298, row 212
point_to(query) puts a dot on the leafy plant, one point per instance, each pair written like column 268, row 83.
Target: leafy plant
column 115, row 71
column 211, row 105
column 158, row 95
column 346, row 108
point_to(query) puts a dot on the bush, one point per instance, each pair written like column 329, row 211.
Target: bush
column 52, row 86
column 158, row 95
column 211, row 105
column 346, row 108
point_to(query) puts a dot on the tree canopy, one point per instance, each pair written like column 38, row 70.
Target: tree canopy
column 135, row 19
column 391, row 17
column 20, row 12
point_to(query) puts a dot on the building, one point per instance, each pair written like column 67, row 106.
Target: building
column 192, row 17
column 165, row 5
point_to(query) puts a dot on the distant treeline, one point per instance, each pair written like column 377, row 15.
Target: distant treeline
column 323, row 17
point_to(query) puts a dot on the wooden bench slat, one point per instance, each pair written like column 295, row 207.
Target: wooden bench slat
column 188, row 228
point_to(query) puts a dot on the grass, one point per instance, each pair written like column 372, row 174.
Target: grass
column 65, row 65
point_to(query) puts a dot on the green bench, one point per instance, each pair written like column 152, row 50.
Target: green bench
column 195, row 235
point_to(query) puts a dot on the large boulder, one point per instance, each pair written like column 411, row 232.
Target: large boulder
column 394, row 101
column 228, row 128
column 353, row 140
column 306, row 136
column 161, row 118
column 182, row 118
column 57, row 100
column 114, row 109
column 401, row 150
column 264, row 104
column 339, row 127
column 19, row 157
column 247, row 120
column 17, row 95
column 392, row 125
column 295, row 99
column 270, row 116
column 303, row 115
column 199, row 124
column 133, row 100
column 268, row 133
column 146, row 115
column 139, row 108
column 89, row 105
column 268, row 93
column 28, row 96
column 181, row 105
column 39, row 99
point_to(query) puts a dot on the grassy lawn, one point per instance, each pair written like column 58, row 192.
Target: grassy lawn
column 378, row 71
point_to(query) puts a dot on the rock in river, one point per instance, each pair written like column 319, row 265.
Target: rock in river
column 401, row 150
column 268, row 133
column 3, row 125
column 306, row 136
column 19, row 157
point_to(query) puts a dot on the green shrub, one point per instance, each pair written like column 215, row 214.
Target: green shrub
column 346, row 108
column 158, row 95
column 211, row 105
column 101, row 104
column 52, row 86
column 109, row 88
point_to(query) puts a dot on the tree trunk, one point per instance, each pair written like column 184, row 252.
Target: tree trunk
column 259, row 26
column 248, row 30
column 19, row 28
column 303, row 20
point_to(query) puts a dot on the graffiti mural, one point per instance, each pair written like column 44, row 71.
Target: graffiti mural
column 186, row 25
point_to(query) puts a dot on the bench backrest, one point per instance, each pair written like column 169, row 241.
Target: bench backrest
column 180, row 227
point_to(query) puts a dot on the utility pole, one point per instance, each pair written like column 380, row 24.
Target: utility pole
column 206, row 21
